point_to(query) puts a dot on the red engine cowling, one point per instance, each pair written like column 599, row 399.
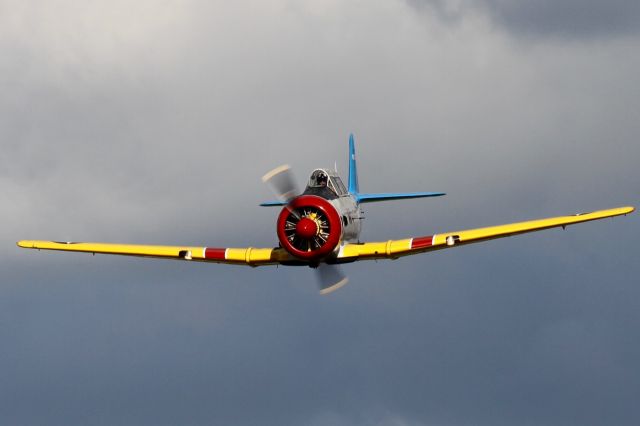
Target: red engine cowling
column 309, row 227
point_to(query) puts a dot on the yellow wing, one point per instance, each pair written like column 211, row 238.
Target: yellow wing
column 393, row 249
column 240, row 256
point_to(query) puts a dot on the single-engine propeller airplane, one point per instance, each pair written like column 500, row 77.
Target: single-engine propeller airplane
column 320, row 228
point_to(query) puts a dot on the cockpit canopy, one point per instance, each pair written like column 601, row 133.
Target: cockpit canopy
column 321, row 178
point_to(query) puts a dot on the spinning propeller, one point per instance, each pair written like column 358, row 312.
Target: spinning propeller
column 306, row 230
column 281, row 182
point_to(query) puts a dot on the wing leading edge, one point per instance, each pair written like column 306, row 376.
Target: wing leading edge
column 394, row 249
column 240, row 256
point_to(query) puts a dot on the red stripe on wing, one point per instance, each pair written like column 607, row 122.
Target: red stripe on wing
column 422, row 242
column 215, row 253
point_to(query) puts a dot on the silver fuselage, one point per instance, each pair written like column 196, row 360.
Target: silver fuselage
column 344, row 203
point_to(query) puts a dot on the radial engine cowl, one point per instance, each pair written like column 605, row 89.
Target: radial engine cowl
column 309, row 227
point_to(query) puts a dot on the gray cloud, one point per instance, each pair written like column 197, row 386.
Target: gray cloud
column 153, row 124
column 572, row 19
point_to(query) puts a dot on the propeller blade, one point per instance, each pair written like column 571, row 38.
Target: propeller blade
column 330, row 278
column 282, row 183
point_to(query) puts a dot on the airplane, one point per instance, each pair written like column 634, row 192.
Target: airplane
column 320, row 228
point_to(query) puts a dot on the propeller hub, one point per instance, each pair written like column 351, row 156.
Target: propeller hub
column 307, row 228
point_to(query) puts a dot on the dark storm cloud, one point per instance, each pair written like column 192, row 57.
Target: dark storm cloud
column 573, row 19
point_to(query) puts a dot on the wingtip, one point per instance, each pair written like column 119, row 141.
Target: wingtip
column 623, row 210
column 25, row 244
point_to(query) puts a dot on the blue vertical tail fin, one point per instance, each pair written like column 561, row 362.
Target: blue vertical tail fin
column 353, row 172
column 370, row 198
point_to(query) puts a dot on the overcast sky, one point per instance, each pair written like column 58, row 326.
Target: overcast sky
column 152, row 122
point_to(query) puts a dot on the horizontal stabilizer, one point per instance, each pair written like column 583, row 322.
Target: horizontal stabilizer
column 273, row 203
column 371, row 198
